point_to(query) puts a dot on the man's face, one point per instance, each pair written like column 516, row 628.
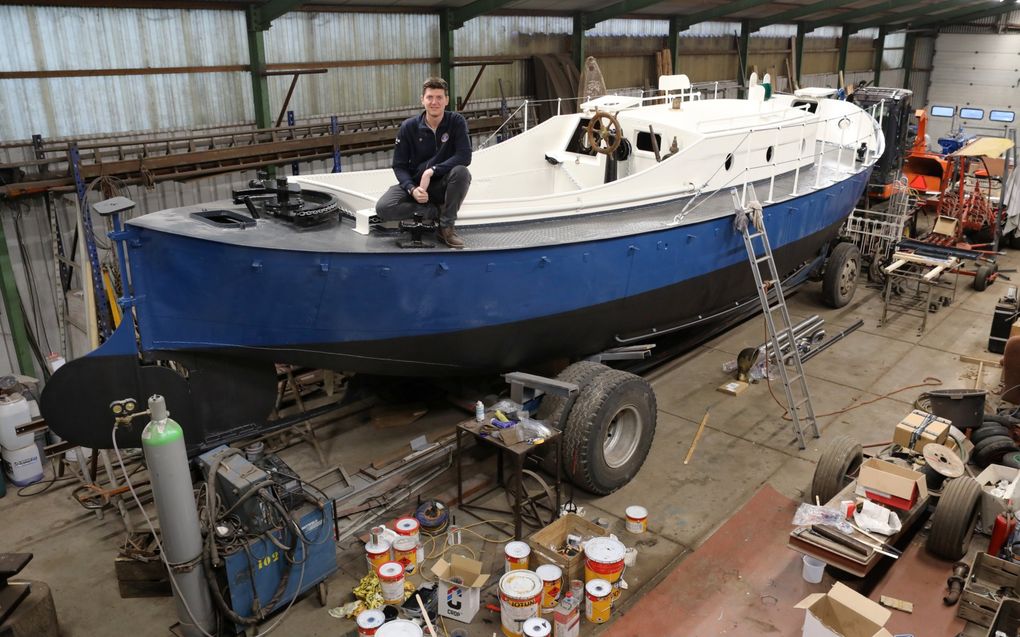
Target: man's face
column 435, row 100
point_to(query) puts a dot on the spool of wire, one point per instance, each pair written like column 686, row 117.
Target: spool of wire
column 433, row 516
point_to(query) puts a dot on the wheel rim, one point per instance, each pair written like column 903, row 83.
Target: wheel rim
column 622, row 437
column 848, row 277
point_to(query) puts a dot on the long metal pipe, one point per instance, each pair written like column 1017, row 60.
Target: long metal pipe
column 800, row 330
column 835, row 338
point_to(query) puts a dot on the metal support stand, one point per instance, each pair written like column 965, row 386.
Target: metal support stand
column 777, row 317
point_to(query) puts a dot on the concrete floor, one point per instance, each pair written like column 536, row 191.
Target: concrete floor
column 746, row 444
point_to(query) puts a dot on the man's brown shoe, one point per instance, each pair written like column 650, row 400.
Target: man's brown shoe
column 450, row 237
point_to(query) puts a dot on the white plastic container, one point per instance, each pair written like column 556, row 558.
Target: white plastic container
column 22, row 466
column 813, row 570
column 14, row 412
column 399, row 628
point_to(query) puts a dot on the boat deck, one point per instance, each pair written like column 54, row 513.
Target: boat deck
column 273, row 233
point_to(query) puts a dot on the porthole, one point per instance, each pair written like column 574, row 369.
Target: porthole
column 768, row 154
column 729, row 161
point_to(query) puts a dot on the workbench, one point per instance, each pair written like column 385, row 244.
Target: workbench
column 803, row 541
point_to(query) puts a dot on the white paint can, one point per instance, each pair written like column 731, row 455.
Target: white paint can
column 22, row 466
column 399, row 628
column 537, row 627
column 520, row 599
column 369, row 621
column 516, row 555
column 391, row 581
column 410, row 527
column 637, row 519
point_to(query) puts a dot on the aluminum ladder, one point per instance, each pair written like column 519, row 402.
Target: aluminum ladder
column 751, row 224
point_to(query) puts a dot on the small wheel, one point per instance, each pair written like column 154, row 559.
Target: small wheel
column 875, row 274
column 1011, row 459
column 537, row 497
column 609, row 431
column 604, row 133
column 923, row 402
column 981, row 278
column 839, row 282
column 991, row 450
column 323, row 592
column 987, row 431
column 837, row 466
column 952, row 524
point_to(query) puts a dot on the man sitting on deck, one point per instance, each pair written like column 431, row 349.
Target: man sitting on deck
column 430, row 160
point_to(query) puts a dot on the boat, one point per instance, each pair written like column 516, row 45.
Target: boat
column 592, row 230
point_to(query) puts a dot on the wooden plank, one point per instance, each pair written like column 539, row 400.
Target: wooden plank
column 974, row 360
column 898, row 604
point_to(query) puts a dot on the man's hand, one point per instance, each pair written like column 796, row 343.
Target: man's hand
column 420, row 195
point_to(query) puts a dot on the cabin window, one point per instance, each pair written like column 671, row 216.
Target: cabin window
column 812, row 106
column 1001, row 116
column 768, row 155
column 644, row 141
column 729, row 161
column 972, row 113
column 943, row 111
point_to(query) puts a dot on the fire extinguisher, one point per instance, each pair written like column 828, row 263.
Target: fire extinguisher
column 1005, row 523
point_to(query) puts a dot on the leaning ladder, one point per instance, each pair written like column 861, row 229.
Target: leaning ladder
column 777, row 316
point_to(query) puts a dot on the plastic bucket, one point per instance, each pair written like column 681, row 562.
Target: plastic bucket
column 391, row 581
column 22, row 466
column 399, row 628
column 603, row 559
column 813, row 569
column 552, row 583
column 516, row 556
column 369, row 621
column 405, row 551
column 637, row 519
column 520, row 599
column 14, row 412
column 377, row 553
column 598, row 601
column 537, row 627
column 963, row 407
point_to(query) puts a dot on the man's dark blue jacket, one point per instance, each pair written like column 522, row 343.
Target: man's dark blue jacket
column 419, row 147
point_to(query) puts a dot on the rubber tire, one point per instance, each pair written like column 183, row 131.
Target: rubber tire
column 844, row 256
column 1002, row 419
column 981, row 278
column 987, row 431
column 1011, row 459
column 990, row 450
column 843, row 455
column 588, row 423
column 952, row 524
column 580, row 373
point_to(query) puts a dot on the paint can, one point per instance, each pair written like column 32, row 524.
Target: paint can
column 520, row 598
column 537, row 627
column 411, row 528
column 516, row 556
column 22, row 466
column 14, row 412
column 391, row 581
column 637, row 519
column 598, row 601
column 369, row 621
column 603, row 559
column 552, row 583
column 399, row 628
column 405, row 551
column 254, row 451
column 377, row 550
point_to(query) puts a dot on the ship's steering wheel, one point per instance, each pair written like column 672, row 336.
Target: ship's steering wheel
column 604, row 133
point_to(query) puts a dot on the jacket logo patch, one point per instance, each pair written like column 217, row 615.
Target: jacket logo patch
column 445, row 138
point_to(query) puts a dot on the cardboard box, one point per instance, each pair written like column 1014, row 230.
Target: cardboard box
column 460, row 586
column 546, row 542
column 842, row 612
column 890, row 484
column 993, row 505
column 937, row 430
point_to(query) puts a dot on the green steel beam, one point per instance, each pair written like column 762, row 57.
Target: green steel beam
column 460, row 15
column 879, row 54
column 948, row 7
column 791, row 15
column 446, row 53
column 12, row 303
column 844, row 43
column 723, row 11
column 973, row 12
column 908, row 58
column 262, row 15
column 674, row 42
column 577, row 42
column 863, row 12
column 257, row 62
column 617, row 9
column 799, row 53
